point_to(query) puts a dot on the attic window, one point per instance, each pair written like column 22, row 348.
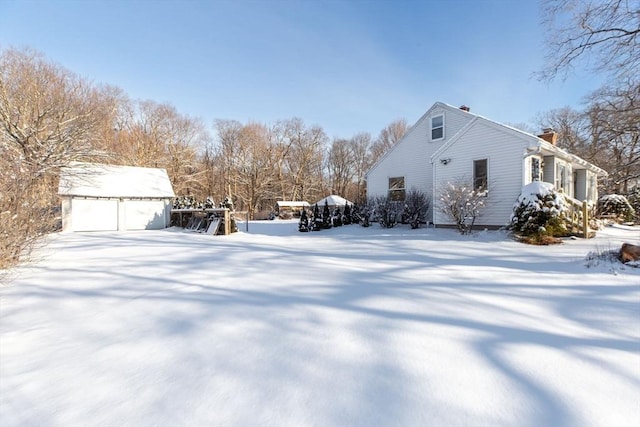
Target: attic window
column 437, row 127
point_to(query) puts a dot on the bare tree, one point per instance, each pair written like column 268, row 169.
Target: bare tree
column 49, row 117
column 387, row 138
column 249, row 163
column 149, row 134
column 574, row 131
column 461, row 203
column 614, row 113
column 525, row 127
column 361, row 149
column 603, row 33
column 303, row 159
column 606, row 133
column 340, row 162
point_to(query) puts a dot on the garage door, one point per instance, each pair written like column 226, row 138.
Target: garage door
column 144, row 214
column 94, row 215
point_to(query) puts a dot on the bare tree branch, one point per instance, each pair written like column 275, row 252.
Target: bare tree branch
column 601, row 35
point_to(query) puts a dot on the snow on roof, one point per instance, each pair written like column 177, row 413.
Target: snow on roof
column 97, row 180
column 333, row 200
column 293, row 204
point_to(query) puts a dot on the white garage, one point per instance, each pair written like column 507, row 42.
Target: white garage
column 110, row 198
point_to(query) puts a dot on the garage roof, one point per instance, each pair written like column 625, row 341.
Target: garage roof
column 97, row 180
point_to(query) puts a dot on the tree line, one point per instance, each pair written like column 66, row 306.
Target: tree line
column 50, row 117
column 600, row 37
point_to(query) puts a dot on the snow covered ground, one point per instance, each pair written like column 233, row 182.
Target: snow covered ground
column 343, row 327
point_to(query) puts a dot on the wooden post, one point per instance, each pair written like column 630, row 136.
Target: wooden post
column 227, row 226
column 585, row 219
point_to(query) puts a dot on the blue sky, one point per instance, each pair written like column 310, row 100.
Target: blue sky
column 348, row 66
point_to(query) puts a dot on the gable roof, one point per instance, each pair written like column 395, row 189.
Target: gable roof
column 416, row 125
column 534, row 142
column 98, row 180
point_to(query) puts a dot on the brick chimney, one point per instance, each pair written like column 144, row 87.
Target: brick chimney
column 465, row 108
column 549, row 135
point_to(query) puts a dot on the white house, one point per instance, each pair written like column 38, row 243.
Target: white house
column 449, row 144
column 108, row 198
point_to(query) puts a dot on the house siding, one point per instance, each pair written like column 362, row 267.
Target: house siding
column 581, row 182
column 549, row 169
column 505, row 160
column 410, row 157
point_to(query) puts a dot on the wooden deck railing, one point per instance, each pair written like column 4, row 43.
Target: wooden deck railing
column 577, row 216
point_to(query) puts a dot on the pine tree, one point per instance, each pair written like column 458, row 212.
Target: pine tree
column 326, row 216
column 209, row 203
column 336, row 218
column 317, row 219
column 346, row 215
column 355, row 214
column 303, row 224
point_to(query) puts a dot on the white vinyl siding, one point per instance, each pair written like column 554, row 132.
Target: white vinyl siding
column 585, row 185
column 549, row 169
column 503, row 152
column 564, row 177
column 411, row 156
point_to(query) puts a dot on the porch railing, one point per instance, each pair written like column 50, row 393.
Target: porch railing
column 577, row 216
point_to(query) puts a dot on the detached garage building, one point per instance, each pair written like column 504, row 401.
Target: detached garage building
column 110, row 198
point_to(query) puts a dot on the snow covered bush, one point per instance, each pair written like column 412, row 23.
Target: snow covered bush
column 616, row 206
column 190, row 202
column 416, row 206
column 387, row 211
column 462, row 204
column 361, row 214
column 228, row 203
column 634, row 200
column 538, row 213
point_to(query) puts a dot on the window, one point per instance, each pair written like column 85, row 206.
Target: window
column 480, row 175
column 396, row 189
column 536, row 170
column 437, row 127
